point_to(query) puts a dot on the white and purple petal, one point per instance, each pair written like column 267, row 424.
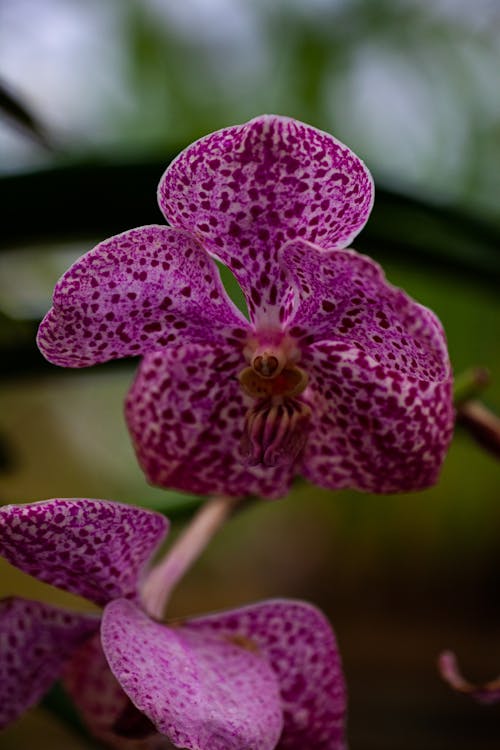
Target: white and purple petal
column 186, row 414
column 202, row 691
column 343, row 296
column 373, row 428
column 246, row 190
column 106, row 710
column 299, row 644
column 488, row 692
column 35, row 642
column 136, row 292
column 95, row 548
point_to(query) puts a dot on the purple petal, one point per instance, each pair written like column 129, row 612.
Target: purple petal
column 487, row 693
column 344, row 297
column 299, row 643
column 246, row 190
column 35, row 642
column 94, row 548
column 104, row 707
column 202, row 691
column 185, row 412
column 134, row 293
column 373, row 428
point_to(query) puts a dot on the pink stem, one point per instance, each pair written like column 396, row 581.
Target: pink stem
column 164, row 576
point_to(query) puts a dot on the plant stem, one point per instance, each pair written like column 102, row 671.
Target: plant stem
column 469, row 384
column 164, row 576
column 482, row 424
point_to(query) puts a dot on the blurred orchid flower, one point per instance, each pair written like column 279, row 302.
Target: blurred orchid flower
column 488, row 692
column 260, row 677
column 337, row 375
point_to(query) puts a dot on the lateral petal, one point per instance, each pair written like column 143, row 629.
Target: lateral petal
column 134, row 293
column 343, row 296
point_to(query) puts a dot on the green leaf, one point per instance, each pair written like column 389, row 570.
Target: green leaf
column 19, row 114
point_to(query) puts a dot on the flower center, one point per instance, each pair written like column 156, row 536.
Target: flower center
column 267, row 365
column 276, row 426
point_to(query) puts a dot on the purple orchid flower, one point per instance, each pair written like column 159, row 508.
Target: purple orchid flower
column 337, row 375
column 261, row 677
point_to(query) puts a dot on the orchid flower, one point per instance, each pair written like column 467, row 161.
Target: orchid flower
column 264, row 676
column 336, row 375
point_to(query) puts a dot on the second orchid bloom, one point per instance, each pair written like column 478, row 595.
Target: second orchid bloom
column 260, row 677
column 336, row 375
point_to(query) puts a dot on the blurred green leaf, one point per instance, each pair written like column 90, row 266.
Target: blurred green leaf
column 96, row 200
column 58, row 703
column 88, row 201
column 19, row 114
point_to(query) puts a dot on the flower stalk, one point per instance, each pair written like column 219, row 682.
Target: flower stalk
column 482, row 424
column 470, row 384
column 164, row 576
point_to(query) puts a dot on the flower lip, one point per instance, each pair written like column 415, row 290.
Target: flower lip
column 275, row 431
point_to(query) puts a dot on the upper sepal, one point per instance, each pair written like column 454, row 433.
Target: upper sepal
column 247, row 189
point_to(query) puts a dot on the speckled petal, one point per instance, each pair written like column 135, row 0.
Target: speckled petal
column 94, row 548
column 134, row 293
column 185, row 412
column 246, row 190
column 489, row 692
column 104, row 707
column 202, row 691
column 35, row 642
column 299, row 643
column 343, row 296
column 373, row 428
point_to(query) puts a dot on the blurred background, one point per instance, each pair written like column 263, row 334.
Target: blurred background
column 96, row 96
